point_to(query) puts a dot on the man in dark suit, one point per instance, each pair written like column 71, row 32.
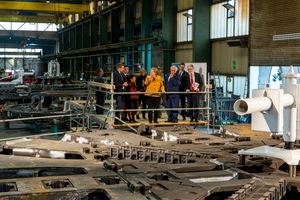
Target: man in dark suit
column 120, row 83
column 172, row 85
column 184, row 76
column 194, row 84
column 100, row 95
column 126, row 97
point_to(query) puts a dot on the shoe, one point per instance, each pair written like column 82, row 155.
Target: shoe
column 118, row 123
column 175, row 121
column 125, row 120
column 138, row 117
column 156, row 122
column 150, row 122
column 131, row 121
column 168, row 121
column 192, row 120
column 184, row 118
column 135, row 121
column 196, row 120
column 144, row 117
column 159, row 116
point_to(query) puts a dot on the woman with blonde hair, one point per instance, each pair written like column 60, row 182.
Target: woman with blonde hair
column 154, row 84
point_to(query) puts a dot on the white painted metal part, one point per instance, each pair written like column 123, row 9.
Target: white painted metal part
column 283, row 114
column 291, row 157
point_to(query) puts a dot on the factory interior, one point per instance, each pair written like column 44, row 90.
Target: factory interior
column 149, row 100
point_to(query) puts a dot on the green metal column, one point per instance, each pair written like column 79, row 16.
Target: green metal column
column 72, row 38
column 129, row 22
column 103, row 37
column 201, row 32
column 86, row 35
column 146, row 24
column 54, row 128
column 169, row 32
column 37, row 128
column 94, row 32
column 115, row 26
column 6, row 126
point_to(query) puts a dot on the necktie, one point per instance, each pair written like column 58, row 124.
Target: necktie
column 192, row 82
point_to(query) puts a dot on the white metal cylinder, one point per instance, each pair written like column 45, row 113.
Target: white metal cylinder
column 288, row 100
column 293, row 124
column 253, row 105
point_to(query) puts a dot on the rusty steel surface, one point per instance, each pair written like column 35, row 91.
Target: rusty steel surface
column 169, row 163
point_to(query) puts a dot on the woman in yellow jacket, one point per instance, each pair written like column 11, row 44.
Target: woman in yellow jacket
column 154, row 84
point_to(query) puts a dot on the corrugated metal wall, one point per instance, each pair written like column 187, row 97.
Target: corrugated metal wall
column 184, row 4
column 223, row 56
column 218, row 21
column 184, row 53
column 275, row 33
column 237, row 26
column 184, row 31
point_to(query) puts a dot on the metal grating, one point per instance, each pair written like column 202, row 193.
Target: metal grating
column 274, row 32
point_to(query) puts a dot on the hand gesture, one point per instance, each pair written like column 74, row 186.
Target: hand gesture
column 125, row 84
column 139, row 92
column 197, row 89
column 171, row 75
column 163, row 91
column 187, row 90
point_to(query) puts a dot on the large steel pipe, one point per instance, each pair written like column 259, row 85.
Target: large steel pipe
column 253, row 105
column 258, row 104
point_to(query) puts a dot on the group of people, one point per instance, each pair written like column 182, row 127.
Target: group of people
column 179, row 85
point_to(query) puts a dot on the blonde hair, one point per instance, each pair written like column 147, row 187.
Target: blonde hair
column 143, row 70
column 154, row 69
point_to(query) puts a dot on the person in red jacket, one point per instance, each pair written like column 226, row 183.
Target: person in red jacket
column 133, row 98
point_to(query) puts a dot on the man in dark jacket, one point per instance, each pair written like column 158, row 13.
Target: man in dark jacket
column 184, row 76
column 100, row 95
column 172, row 85
column 126, row 97
column 120, row 84
column 194, row 84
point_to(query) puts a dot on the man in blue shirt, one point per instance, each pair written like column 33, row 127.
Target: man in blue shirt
column 172, row 85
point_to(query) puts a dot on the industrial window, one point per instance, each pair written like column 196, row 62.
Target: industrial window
column 185, row 26
column 230, row 12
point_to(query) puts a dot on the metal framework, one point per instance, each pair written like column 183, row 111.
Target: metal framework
column 87, row 117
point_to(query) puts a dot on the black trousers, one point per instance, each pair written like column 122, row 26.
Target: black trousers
column 193, row 102
column 182, row 104
column 153, row 103
column 119, row 102
column 125, row 105
column 100, row 101
column 143, row 100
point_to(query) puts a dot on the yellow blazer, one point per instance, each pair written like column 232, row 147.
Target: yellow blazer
column 154, row 85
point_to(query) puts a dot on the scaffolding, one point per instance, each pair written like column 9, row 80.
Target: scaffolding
column 86, row 120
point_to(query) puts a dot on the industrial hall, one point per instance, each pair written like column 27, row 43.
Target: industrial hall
column 149, row 100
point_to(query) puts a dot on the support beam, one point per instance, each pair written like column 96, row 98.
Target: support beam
column 20, row 53
column 169, row 32
column 33, row 19
column 115, row 26
column 45, row 7
column 201, row 32
column 146, row 24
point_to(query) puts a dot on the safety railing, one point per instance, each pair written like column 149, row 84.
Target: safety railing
column 109, row 89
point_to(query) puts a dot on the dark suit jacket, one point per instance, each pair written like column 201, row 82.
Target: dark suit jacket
column 139, row 83
column 173, row 84
column 183, row 82
column 119, row 81
column 99, row 79
column 197, row 80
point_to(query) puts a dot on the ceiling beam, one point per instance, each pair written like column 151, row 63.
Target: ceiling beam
column 33, row 19
column 45, row 7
